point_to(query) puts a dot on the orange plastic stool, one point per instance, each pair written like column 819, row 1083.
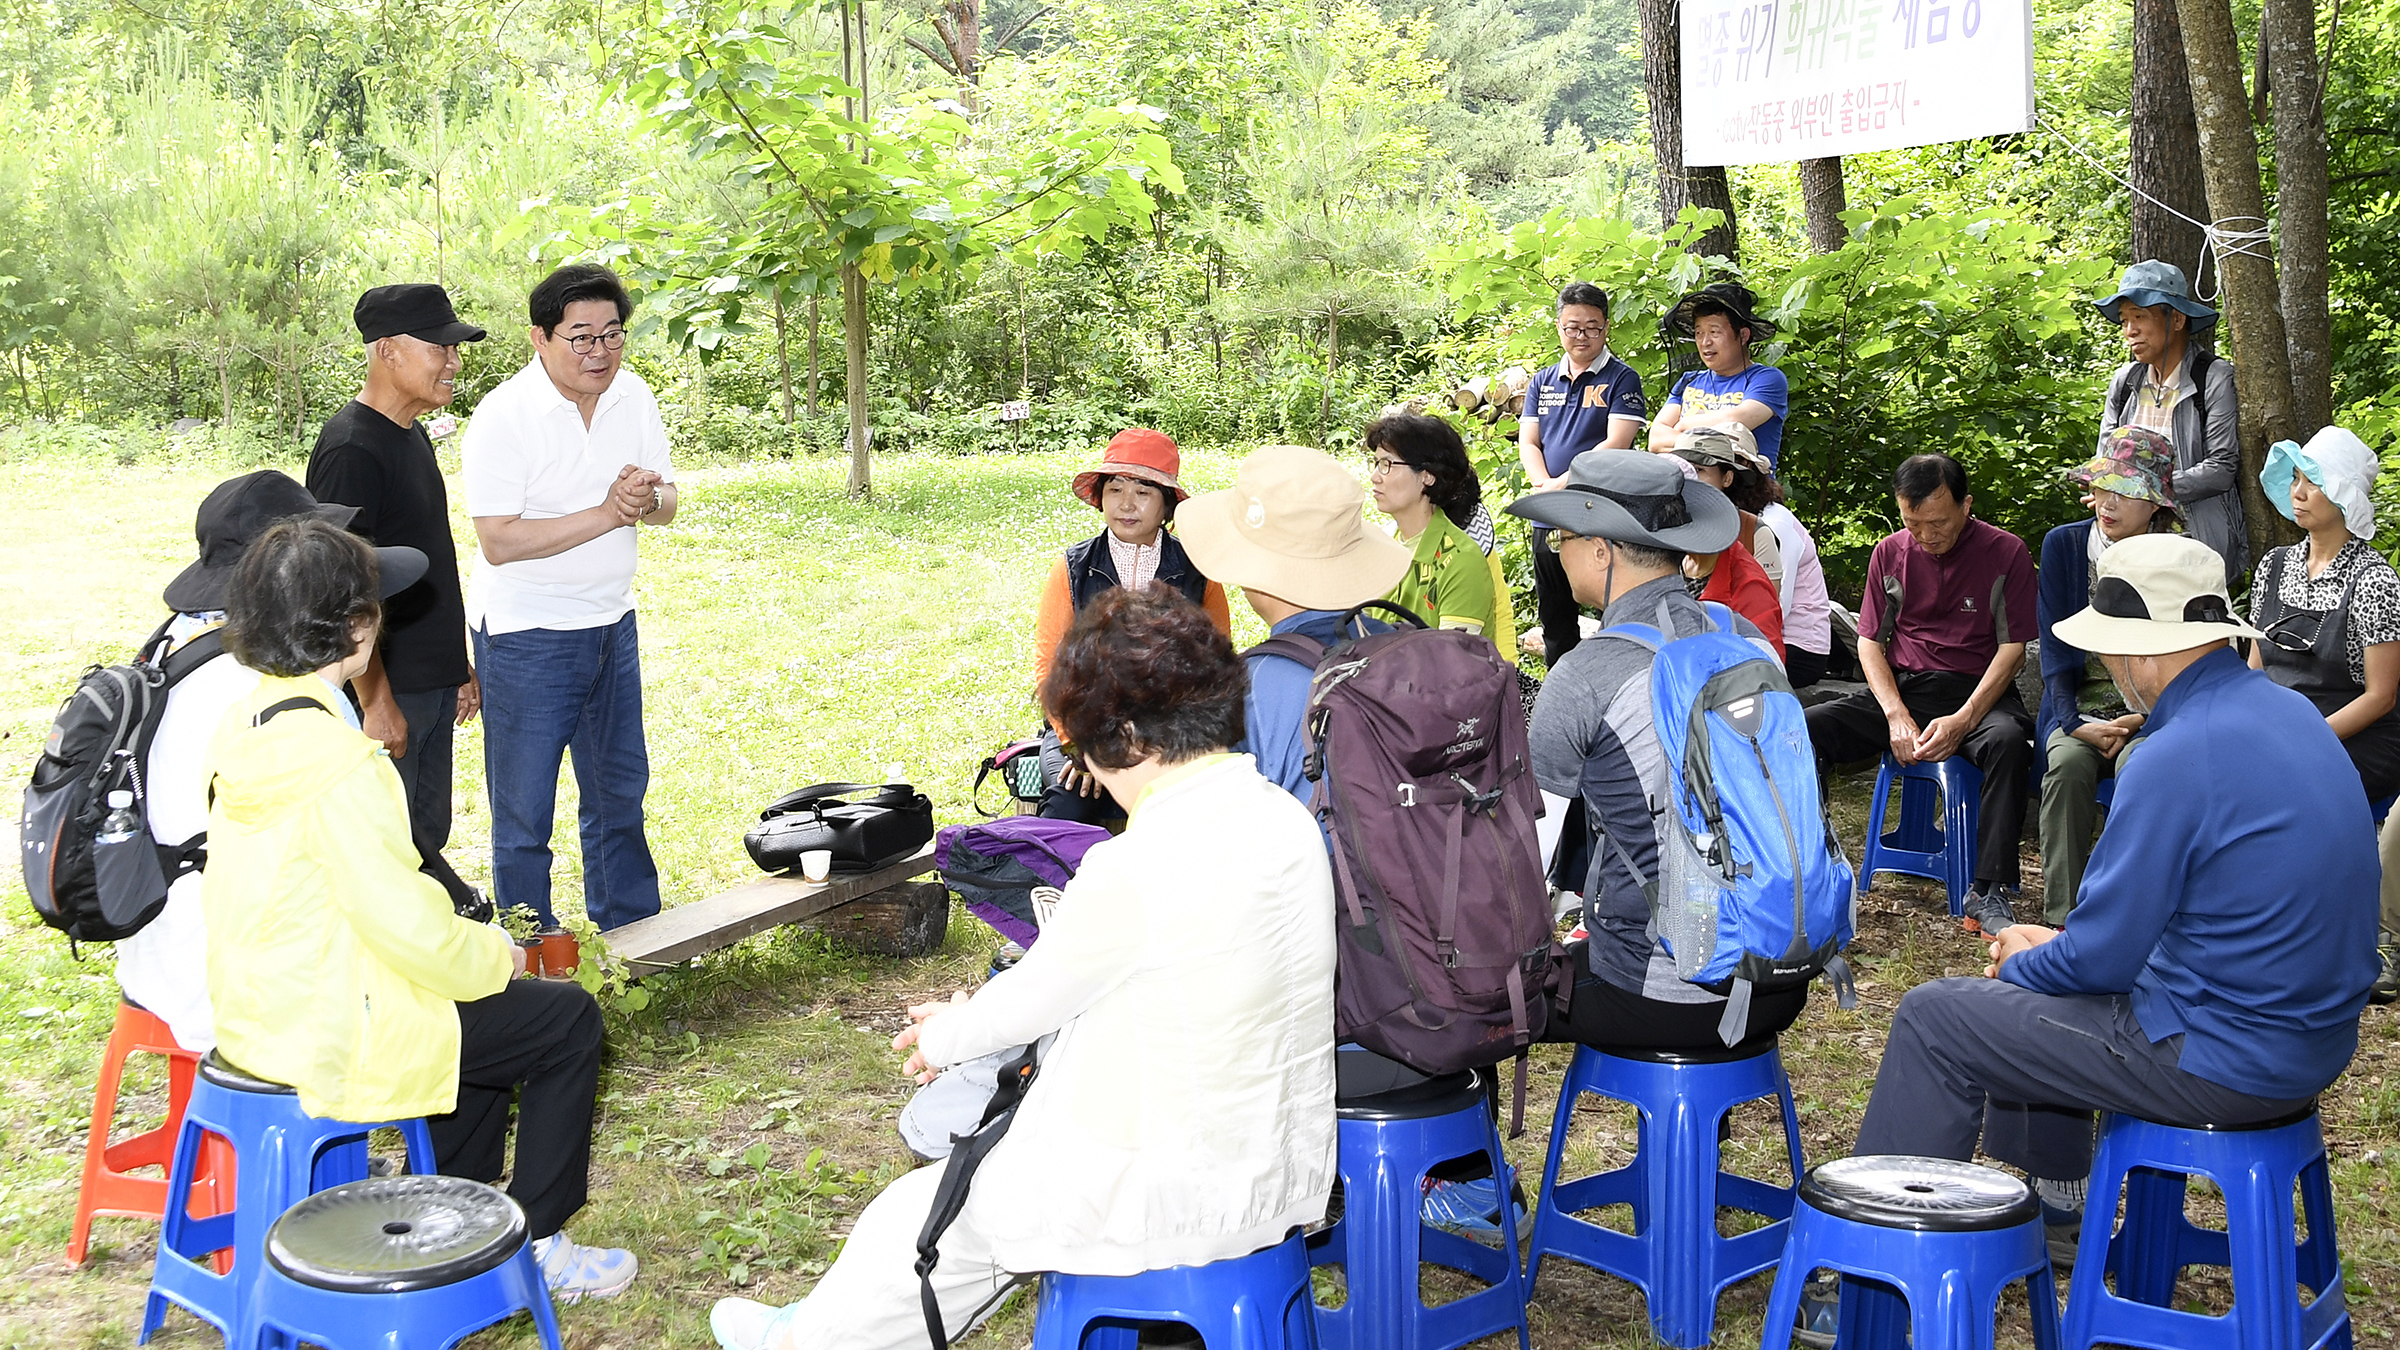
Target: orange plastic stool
column 109, row 1186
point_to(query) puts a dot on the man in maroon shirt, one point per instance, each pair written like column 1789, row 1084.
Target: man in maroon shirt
column 1949, row 605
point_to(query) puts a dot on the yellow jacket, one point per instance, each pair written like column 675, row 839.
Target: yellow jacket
column 334, row 964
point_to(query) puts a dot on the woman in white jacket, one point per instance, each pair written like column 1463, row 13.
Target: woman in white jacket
column 1185, row 1112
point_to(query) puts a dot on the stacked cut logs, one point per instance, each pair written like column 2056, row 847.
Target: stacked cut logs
column 1492, row 397
column 1488, row 397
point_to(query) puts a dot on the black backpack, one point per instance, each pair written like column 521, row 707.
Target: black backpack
column 100, row 744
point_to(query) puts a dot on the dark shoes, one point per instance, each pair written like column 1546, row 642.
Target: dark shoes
column 1990, row 907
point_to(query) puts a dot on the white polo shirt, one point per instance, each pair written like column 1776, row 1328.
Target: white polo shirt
column 527, row 453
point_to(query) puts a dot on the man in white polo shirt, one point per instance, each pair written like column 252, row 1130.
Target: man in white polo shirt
column 562, row 462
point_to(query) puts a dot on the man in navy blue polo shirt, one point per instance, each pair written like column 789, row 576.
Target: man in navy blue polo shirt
column 1590, row 400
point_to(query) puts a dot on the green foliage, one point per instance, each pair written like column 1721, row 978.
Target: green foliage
column 1964, row 333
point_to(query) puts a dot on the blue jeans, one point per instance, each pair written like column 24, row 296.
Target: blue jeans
column 544, row 691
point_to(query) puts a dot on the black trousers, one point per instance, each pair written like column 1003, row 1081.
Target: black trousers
column 1804, row 667
column 1554, row 601
column 1971, row 1057
column 1605, row 1017
column 1852, row 728
column 539, row 1041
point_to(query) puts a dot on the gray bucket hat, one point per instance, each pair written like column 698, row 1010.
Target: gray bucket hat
column 1632, row 497
column 2153, row 283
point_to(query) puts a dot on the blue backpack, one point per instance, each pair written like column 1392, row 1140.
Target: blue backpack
column 1753, row 893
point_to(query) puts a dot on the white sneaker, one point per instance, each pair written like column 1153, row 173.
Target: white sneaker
column 744, row 1324
column 577, row 1272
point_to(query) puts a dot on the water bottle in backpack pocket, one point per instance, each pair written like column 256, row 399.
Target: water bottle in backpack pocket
column 1753, row 892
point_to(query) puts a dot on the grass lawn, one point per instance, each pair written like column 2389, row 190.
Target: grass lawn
column 791, row 637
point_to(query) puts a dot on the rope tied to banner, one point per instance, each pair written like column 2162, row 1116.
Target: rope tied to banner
column 2226, row 238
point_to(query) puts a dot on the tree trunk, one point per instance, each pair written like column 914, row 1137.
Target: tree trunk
column 783, row 355
column 1824, row 198
column 2253, row 309
column 1662, row 81
column 959, row 24
column 854, row 341
column 1333, row 362
column 812, row 356
column 2166, row 148
column 2302, row 245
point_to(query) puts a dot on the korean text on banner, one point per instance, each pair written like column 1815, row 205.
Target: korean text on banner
column 1768, row 81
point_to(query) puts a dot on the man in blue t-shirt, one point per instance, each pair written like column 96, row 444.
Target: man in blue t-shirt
column 1590, row 400
column 1730, row 387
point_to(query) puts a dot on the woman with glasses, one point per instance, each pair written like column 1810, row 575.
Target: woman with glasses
column 2330, row 606
column 1417, row 468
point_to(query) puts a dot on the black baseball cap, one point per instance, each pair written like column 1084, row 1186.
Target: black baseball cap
column 238, row 510
column 419, row 309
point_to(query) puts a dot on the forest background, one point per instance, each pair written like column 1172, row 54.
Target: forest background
column 1240, row 221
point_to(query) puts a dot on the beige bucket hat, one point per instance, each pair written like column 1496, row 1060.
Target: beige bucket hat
column 2155, row 593
column 1291, row 526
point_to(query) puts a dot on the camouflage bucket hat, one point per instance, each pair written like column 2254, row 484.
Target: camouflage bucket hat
column 2133, row 462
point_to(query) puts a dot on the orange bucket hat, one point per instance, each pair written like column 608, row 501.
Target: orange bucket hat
column 1135, row 452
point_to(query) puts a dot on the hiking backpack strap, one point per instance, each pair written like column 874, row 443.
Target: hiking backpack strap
column 1291, row 647
column 967, row 1152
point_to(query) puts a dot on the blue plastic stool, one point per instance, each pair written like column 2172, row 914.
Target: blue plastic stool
column 281, row 1154
column 1937, row 845
column 1389, row 1144
column 1255, row 1302
column 2257, row 1169
column 1674, row 1183
column 399, row 1263
column 1925, row 1245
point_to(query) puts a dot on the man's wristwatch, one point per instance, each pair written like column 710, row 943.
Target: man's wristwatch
column 658, row 500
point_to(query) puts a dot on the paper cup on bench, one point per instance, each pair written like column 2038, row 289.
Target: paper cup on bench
column 816, row 864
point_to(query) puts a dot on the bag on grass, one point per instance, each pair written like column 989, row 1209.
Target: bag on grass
column 997, row 866
column 1424, row 784
column 1753, row 893
column 862, row 835
column 1019, row 764
column 88, row 883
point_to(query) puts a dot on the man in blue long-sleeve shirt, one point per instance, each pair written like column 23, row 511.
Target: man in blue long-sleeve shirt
column 2222, row 945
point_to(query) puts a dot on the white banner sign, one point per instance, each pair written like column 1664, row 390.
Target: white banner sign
column 1769, row 81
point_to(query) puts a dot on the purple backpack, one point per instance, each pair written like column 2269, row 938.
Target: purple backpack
column 1424, row 784
column 995, row 866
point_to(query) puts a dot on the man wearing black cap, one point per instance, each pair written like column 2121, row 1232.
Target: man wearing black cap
column 164, row 967
column 372, row 454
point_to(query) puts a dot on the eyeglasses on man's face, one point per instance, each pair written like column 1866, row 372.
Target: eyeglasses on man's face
column 582, row 343
column 1583, row 330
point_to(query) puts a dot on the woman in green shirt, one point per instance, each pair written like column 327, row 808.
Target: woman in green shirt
column 1418, row 469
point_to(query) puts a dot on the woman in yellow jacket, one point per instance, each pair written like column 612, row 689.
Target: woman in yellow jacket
column 334, row 964
column 1417, row 468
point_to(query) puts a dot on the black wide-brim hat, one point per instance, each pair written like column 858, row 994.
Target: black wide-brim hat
column 239, row 510
column 1634, row 497
column 1732, row 295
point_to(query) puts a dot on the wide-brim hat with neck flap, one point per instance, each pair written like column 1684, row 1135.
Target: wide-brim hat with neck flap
column 239, row 510
column 1633, row 497
column 2153, row 283
column 1135, row 452
column 1732, row 296
column 1292, row 526
column 2154, row 594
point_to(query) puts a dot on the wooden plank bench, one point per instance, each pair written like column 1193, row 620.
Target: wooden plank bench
column 676, row 935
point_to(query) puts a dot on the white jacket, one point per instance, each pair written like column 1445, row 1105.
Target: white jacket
column 1185, row 1113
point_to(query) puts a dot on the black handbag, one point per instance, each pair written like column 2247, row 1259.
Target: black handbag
column 863, row 835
